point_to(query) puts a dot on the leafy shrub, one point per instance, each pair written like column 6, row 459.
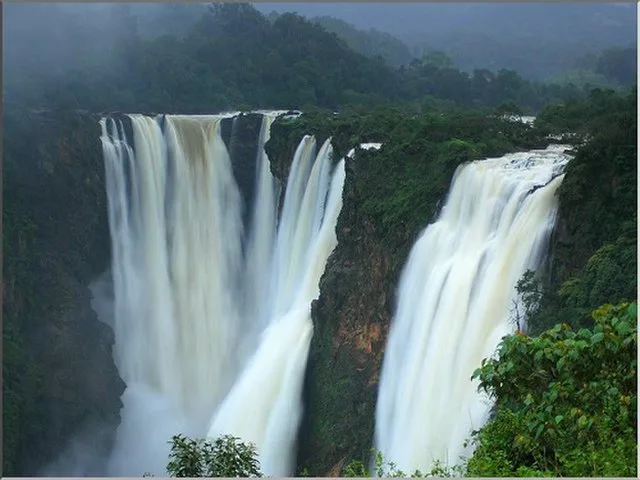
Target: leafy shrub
column 226, row 456
column 388, row 469
column 566, row 401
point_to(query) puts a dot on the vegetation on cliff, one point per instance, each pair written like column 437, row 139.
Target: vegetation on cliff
column 391, row 194
column 595, row 250
column 566, row 401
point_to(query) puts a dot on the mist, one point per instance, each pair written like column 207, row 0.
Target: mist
column 599, row 24
column 86, row 454
column 44, row 43
column 536, row 39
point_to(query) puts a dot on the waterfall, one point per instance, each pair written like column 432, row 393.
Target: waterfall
column 261, row 241
column 275, row 373
column 455, row 297
column 212, row 339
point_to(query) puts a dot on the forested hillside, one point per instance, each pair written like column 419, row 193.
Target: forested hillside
column 371, row 43
column 234, row 57
column 540, row 41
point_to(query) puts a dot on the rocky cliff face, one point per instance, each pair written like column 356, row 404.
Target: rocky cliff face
column 384, row 209
column 241, row 135
column 351, row 320
column 59, row 375
column 594, row 249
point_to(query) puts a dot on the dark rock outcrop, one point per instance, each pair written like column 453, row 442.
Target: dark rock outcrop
column 61, row 376
column 384, row 210
column 351, row 320
column 241, row 135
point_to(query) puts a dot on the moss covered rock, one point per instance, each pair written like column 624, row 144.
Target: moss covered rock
column 60, row 375
column 389, row 197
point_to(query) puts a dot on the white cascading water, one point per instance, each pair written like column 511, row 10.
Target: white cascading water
column 455, row 297
column 211, row 340
column 264, row 405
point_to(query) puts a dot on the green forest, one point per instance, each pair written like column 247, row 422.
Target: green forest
column 233, row 57
column 565, row 393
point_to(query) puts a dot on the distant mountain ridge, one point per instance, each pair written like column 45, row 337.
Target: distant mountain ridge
column 370, row 42
column 539, row 40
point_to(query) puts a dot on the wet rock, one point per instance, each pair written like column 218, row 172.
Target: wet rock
column 56, row 242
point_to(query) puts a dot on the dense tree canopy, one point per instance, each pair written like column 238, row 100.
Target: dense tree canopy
column 566, row 401
column 596, row 248
column 235, row 57
column 371, row 43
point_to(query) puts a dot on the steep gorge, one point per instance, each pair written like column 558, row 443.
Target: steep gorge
column 61, row 388
column 212, row 314
column 351, row 317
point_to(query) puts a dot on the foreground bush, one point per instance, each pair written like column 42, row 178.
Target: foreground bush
column 225, row 456
column 566, row 401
